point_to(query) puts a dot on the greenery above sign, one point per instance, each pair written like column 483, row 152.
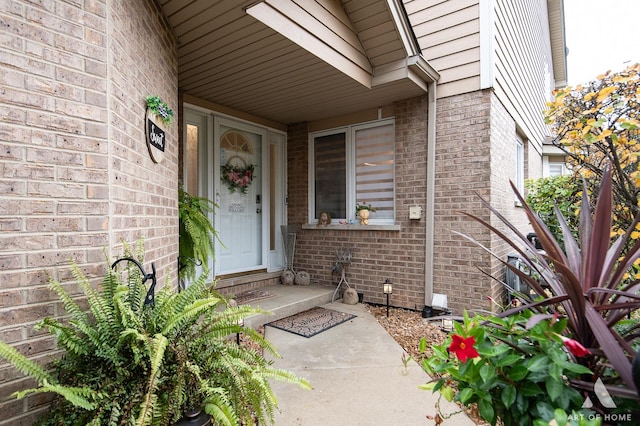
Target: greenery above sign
column 161, row 109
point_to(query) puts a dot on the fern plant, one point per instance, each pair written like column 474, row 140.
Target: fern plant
column 197, row 234
column 129, row 363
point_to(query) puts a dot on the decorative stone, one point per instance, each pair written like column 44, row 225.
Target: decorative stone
column 350, row 296
column 303, row 278
column 287, row 277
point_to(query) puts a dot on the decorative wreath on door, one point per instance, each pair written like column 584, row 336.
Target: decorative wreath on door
column 237, row 177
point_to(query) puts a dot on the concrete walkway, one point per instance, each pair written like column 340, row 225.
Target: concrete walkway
column 358, row 378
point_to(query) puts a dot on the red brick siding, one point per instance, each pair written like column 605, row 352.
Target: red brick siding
column 75, row 172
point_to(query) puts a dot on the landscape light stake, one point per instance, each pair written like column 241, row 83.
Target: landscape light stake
column 241, row 324
column 387, row 288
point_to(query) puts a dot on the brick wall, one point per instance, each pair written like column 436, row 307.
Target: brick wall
column 378, row 255
column 76, row 177
column 462, row 172
column 475, row 157
column 503, row 169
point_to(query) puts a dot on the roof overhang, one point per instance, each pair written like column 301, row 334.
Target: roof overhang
column 297, row 60
column 555, row 11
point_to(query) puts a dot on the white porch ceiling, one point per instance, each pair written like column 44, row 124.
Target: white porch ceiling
column 231, row 58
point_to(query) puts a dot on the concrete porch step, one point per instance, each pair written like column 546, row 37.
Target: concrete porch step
column 288, row 300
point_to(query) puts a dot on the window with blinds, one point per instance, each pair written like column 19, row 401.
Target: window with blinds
column 374, row 152
column 353, row 165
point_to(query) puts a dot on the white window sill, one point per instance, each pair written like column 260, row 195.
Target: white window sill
column 353, row 227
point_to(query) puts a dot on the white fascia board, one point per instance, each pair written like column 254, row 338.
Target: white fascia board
column 404, row 27
column 415, row 68
column 487, row 43
column 290, row 29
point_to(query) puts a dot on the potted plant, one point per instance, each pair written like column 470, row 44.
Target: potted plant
column 363, row 210
column 197, row 234
column 127, row 362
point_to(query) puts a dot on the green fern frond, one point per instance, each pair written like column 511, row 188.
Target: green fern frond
column 156, row 347
column 24, row 365
column 99, row 306
column 190, row 314
column 128, row 317
column 79, row 397
column 150, row 362
column 216, row 403
column 198, row 289
column 72, row 309
column 221, row 412
column 146, row 411
column 197, row 234
column 67, row 338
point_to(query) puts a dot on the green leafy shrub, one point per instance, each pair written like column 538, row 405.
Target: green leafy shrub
column 546, row 194
column 587, row 282
column 516, row 369
column 129, row 363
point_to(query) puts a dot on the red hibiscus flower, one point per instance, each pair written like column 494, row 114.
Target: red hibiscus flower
column 575, row 347
column 463, row 348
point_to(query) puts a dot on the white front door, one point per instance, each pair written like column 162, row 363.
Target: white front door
column 240, row 175
column 218, row 153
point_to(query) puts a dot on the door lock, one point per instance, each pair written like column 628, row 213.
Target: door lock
column 258, row 211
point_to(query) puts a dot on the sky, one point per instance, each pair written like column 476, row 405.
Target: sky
column 601, row 35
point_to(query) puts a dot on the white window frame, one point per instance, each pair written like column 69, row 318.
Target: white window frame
column 519, row 177
column 350, row 154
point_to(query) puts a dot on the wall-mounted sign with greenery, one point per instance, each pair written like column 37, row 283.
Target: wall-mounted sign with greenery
column 159, row 116
column 160, row 109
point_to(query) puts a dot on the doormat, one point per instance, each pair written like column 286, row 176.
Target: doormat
column 311, row 322
column 252, row 296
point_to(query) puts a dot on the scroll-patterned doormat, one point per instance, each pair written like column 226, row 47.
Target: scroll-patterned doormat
column 311, row 322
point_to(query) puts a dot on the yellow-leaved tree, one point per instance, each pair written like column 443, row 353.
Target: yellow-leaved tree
column 596, row 125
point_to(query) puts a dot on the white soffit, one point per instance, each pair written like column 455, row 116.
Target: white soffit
column 332, row 39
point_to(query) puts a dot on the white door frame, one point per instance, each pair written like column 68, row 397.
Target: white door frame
column 272, row 259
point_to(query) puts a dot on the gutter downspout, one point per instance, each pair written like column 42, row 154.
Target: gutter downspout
column 430, row 196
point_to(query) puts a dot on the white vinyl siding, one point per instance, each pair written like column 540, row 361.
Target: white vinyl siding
column 523, row 72
column 448, row 33
column 504, row 44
